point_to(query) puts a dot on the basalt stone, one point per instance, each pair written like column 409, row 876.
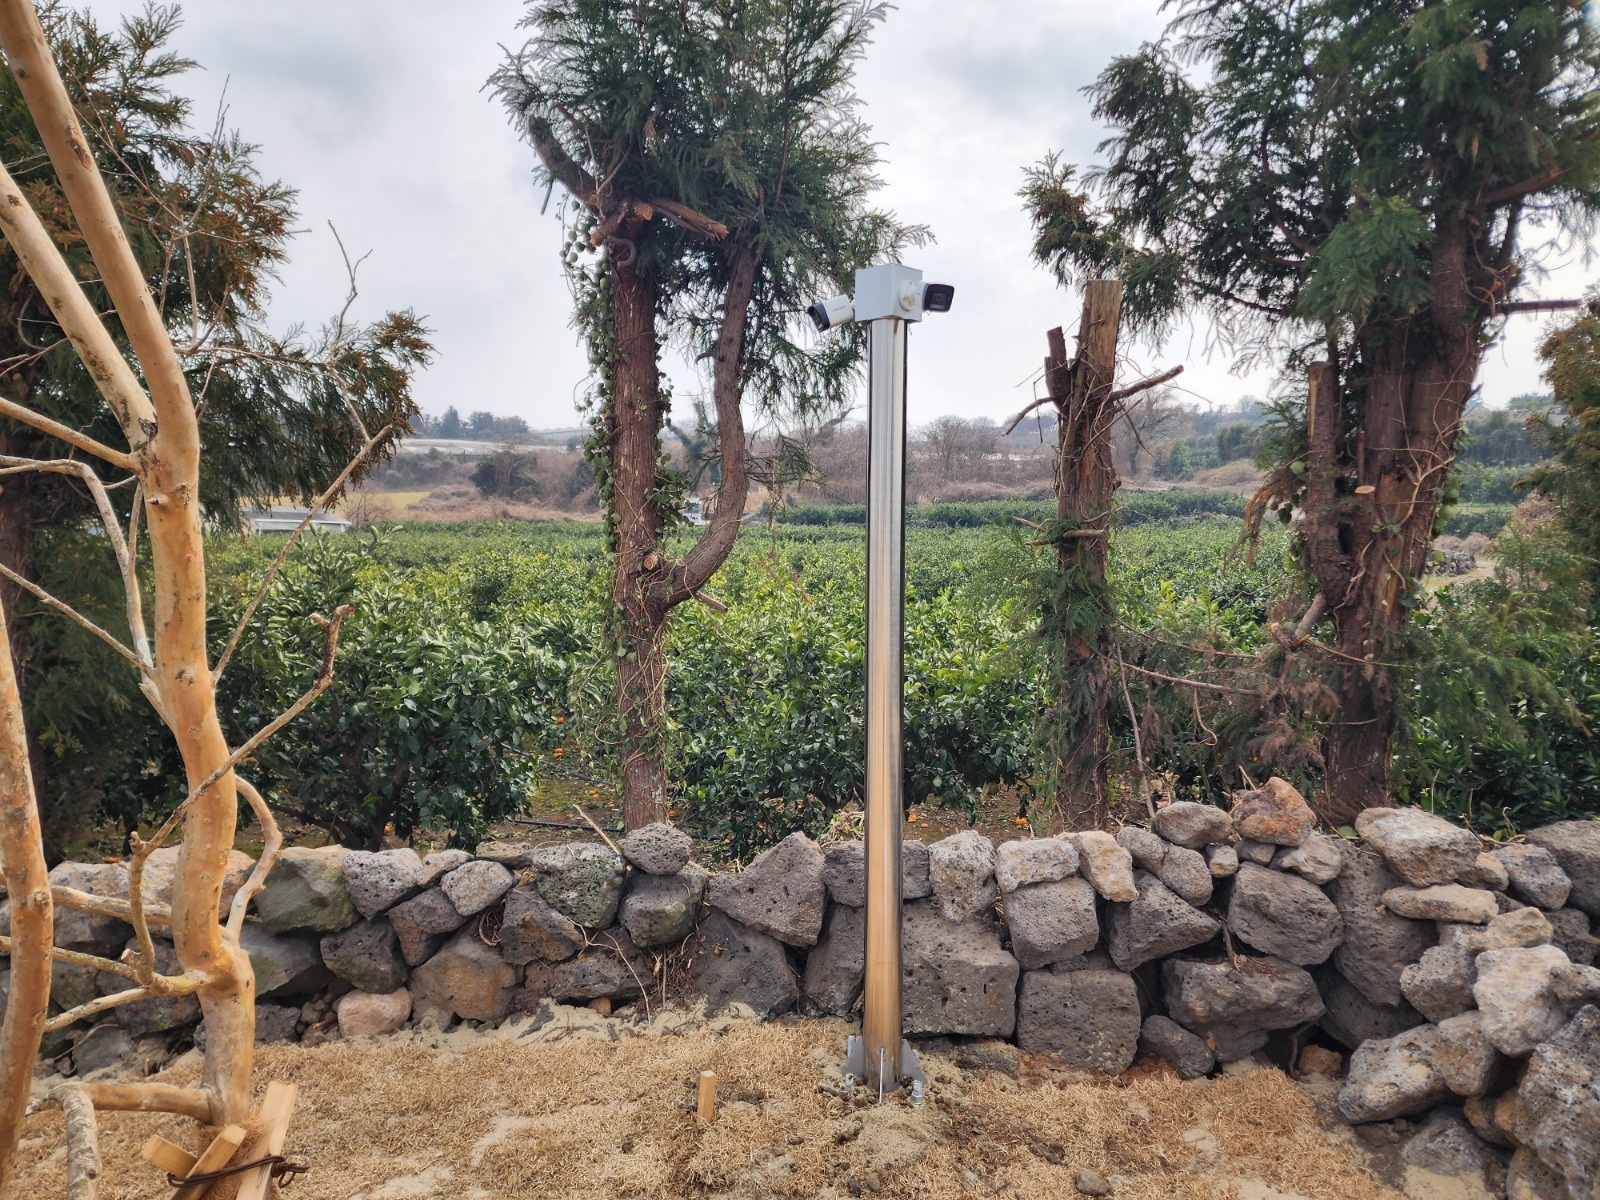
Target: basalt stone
column 1575, row 986
column 1439, row 984
column 1156, row 924
column 1087, row 1019
column 1051, row 921
column 610, row 966
column 72, row 985
column 1260, row 853
column 780, row 893
column 1025, row 861
column 421, row 923
column 366, row 956
column 732, row 964
column 1317, row 859
column 159, row 1014
column 1185, row 1052
column 844, row 872
column 1487, row 873
column 1446, row 1145
column 836, row 964
column 1106, row 865
column 1275, row 813
column 1284, row 915
column 284, row 964
column 1576, row 847
column 1222, row 861
column 659, row 910
column 657, row 849
column 475, row 886
column 86, row 931
column 1417, row 846
column 1149, row 850
column 915, row 883
column 106, row 1045
column 1351, row 1018
column 370, row 1014
column 1570, row 931
column 466, row 978
column 530, row 929
column 1393, row 1077
column 987, row 1054
column 1482, row 1114
column 1558, row 1103
column 956, row 978
column 581, row 879
column 1527, row 1178
column 516, row 856
column 1534, row 875
column 1377, row 945
column 1181, row 869
column 1184, row 823
column 1262, row 994
column 440, row 863
column 961, row 869
column 377, row 881
column 1442, row 902
column 1464, row 1056
column 1516, row 991
column 306, row 892
column 277, row 1023
column 1520, row 927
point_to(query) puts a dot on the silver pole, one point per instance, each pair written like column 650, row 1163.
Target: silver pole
column 886, row 482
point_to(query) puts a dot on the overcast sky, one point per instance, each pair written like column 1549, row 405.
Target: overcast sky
column 374, row 110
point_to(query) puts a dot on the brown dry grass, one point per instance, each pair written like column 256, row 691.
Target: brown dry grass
column 565, row 1111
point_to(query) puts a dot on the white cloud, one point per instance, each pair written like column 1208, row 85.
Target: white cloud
column 375, row 111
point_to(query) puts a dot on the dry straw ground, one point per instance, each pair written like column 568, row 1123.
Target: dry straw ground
column 578, row 1108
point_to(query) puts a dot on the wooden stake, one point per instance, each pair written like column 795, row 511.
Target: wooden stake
column 708, row 1097
column 213, row 1158
column 166, row 1156
column 276, row 1108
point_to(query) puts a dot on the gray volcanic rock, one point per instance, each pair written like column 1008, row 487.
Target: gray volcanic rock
column 1025, row 861
column 1466, row 1059
column 836, row 964
column 367, row 956
column 377, row 881
column 1051, row 921
column 1557, row 1113
column 780, row 893
column 659, row 910
column 1439, row 984
column 1417, row 846
column 582, row 880
column 306, row 892
column 1217, row 998
column 844, row 872
column 475, row 886
column 86, row 931
column 732, row 964
column 518, row 856
column 1156, row 924
column 1442, row 902
column 915, row 883
column 466, row 978
column 657, row 849
column 1377, row 945
column 284, row 964
column 1351, row 1018
column 956, row 977
column 1570, row 931
column 1517, row 993
column 1576, row 847
column 1105, row 864
column 1317, row 859
column 1185, row 1052
column 1223, row 861
column 961, row 868
column 609, row 966
column 1394, row 1077
column 1087, row 1018
column 421, row 923
column 1184, row 823
column 1284, row 915
column 531, row 929
column 1534, row 875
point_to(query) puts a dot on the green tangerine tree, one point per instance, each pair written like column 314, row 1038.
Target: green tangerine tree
column 1345, row 186
column 715, row 159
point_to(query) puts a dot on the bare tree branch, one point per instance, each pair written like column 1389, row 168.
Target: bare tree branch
column 272, row 844
column 68, row 435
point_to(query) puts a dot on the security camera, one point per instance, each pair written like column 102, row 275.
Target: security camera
column 937, row 297
column 829, row 314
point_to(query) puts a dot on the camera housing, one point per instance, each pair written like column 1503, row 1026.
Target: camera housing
column 831, row 313
column 938, row 297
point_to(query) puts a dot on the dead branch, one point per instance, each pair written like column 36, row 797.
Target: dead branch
column 598, row 830
column 67, row 434
column 1193, row 683
column 322, row 502
column 1138, row 747
column 83, row 1141
column 1133, row 389
column 1534, row 306
column 1017, row 420
column 713, row 605
column 77, row 958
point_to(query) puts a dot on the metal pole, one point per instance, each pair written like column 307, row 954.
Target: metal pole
column 886, row 484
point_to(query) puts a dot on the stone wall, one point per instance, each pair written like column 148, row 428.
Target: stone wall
column 1460, row 982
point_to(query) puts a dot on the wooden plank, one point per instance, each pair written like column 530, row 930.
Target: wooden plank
column 166, row 1156
column 708, row 1097
column 213, row 1158
column 273, row 1121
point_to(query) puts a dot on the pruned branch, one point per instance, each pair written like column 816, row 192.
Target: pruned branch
column 1533, row 306
column 686, row 218
column 559, row 165
column 68, row 435
column 1526, row 187
column 1133, row 389
column 1017, row 420
column 83, row 1141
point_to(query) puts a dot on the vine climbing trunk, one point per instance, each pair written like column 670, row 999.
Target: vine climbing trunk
column 1079, row 616
column 639, row 608
column 32, row 920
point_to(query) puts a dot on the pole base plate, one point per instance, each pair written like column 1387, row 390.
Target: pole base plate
column 855, row 1063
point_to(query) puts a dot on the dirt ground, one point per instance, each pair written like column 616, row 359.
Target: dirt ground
column 571, row 1104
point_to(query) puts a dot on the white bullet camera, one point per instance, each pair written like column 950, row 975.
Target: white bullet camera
column 830, row 314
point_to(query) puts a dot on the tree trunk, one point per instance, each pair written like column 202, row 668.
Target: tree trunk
column 1368, row 541
column 1085, row 483
column 32, row 921
column 636, row 417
